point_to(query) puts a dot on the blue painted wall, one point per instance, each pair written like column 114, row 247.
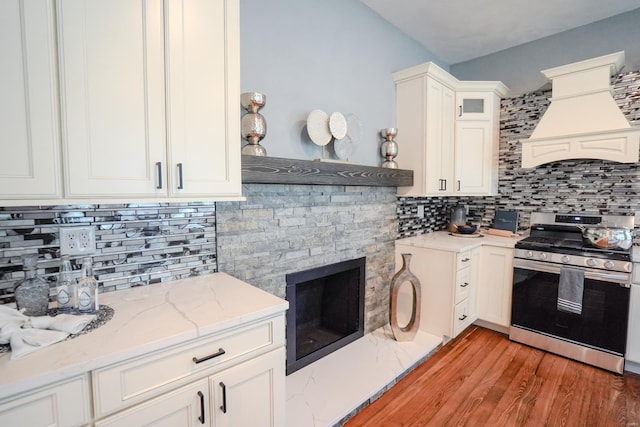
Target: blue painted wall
column 333, row 55
column 519, row 67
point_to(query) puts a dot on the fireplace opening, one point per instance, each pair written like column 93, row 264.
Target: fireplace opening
column 326, row 311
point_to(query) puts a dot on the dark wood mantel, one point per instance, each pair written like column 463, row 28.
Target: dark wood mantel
column 275, row 170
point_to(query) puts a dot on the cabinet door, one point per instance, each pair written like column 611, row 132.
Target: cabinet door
column 29, row 140
column 203, row 110
column 439, row 139
column 473, row 157
column 186, row 406
column 410, row 117
column 633, row 334
column 251, row 393
column 112, row 93
column 496, row 281
column 65, row 404
column 474, row 105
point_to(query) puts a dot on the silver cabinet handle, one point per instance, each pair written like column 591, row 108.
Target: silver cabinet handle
column 459, row 111
column 180, row 183
column 159, row 170
column 458, row 185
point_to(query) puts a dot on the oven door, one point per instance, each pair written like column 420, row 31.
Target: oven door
column 602, row 324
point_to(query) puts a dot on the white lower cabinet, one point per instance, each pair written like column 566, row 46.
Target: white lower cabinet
column 185, row 406
column 448, row 281
column 633, row 334
column 496, row 281
column 245, row 395
column 67, row 403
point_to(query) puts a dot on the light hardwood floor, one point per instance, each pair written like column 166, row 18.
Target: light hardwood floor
column 483, row 379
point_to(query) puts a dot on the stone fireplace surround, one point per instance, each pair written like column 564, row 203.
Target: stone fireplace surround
column 283, row 228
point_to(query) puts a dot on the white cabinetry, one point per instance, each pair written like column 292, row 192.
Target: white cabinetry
column 425, row 117
column 496, row 281
column 249, row 394
column 633, row 338
column 448, row 132
column 236, row 369
column 123, row 137
column 67, row 403
column 149, row 101
column 29, row 133
column 448, row 281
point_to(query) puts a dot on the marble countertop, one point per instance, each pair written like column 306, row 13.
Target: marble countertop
column 146, row 319
column 442, row 240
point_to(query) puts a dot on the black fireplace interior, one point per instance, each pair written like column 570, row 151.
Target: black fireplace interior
column 326, row 311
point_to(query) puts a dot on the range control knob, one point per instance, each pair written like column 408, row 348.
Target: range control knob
column 609, row 264
column 592, row 262
column 542, row 255
column 529, row 254
column 565, row 259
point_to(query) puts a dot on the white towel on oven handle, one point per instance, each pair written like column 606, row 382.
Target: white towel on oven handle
column 570, row 290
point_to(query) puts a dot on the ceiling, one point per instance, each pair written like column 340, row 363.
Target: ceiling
column 460, row 30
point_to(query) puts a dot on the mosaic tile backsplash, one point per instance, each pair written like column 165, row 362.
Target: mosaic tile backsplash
column 588, row 186
column 137, row 244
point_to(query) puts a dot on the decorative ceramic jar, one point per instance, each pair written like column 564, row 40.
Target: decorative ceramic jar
column 389, row 148
column 253, row 124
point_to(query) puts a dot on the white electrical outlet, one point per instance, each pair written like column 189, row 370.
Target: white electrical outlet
column 420, row 211
column 77, row 240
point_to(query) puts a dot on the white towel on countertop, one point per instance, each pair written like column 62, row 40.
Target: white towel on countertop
column 27, row 334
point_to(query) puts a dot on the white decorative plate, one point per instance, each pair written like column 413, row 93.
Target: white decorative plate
column 343, row 147
column 337, row 125
column 353, row 128
column 318, row 127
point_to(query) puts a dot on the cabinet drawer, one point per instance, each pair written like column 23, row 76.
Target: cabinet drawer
column 463, row 260
column 462, row 317
column 135, row 380
column 463, row 284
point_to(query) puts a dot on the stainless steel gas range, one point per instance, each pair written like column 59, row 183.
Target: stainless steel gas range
column 571, row 290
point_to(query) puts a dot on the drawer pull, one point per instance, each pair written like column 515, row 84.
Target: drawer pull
column 201, row 417
column 224, row 398
column 211, row 356
column 464, row 316
column 466, row 260
column 464, row 285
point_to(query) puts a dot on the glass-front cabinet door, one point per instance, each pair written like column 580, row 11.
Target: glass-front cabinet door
column 474, row 105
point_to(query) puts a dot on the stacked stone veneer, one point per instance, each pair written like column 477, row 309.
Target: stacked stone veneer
column 282, row 229
column 137, row 244
column 589, row 186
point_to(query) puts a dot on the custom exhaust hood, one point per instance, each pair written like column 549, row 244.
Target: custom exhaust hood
column 583, row 120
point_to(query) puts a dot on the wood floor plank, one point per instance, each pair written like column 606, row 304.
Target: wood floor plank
column 483, row 379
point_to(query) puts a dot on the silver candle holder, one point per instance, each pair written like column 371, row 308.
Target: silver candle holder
column 389, row 148
column 253, row 124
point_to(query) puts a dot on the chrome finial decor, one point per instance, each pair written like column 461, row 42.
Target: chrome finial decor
column 253, row 124
column 389, row 148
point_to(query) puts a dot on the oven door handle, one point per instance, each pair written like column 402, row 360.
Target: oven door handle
column 622, row 279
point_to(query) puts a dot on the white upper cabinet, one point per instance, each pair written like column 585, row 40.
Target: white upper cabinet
column 447, row 132
column 149, row 100
column 474, row 105
column 203, row 89
column 29, row 133
column 112, row 92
